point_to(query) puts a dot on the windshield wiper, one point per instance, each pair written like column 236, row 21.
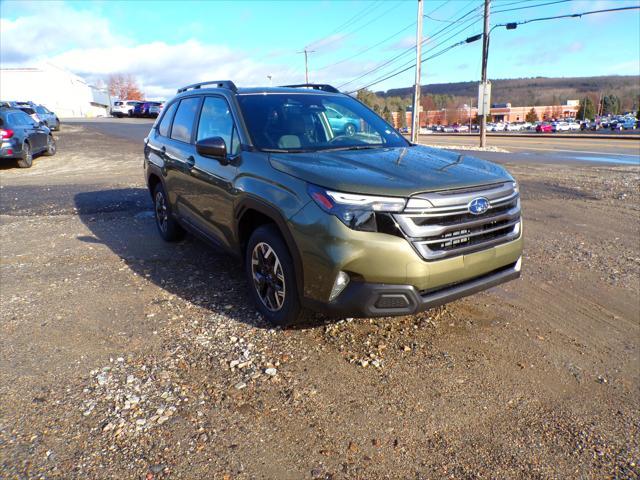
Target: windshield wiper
column 353, row 147
column 286, row 150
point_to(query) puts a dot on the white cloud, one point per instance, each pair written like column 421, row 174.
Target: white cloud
column 85, row 44
column 50, row 30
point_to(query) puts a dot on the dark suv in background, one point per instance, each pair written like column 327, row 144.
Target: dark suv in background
column 350, row 221
column 22, row 137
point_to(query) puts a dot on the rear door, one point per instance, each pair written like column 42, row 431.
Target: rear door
column 33, row 131
column 179, row 156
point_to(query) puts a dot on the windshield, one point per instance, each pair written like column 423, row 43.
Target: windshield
column 299, row 122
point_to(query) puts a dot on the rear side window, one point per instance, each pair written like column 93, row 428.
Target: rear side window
column 165, row 124
column 184, row 119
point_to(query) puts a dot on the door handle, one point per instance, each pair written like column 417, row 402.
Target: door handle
column 191, row 161
column 163, row 150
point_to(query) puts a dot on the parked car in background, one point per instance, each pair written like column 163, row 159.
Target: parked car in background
column 447, row 129
column 138, row 110
column 460, row 128
column 573, row 126
column 123, row 108
column 544, row 127
column 559, row 127
column 50, row 119
column 31, row 112
column 23, row 137
column 155, row 109
column 513, row 127
column 628, row 123
column 341, row 123
column 41, row 112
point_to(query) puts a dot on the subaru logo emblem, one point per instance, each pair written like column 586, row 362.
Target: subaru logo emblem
column 478, row 206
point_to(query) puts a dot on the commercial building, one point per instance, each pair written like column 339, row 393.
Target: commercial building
column 66, row 94
column 504, row 112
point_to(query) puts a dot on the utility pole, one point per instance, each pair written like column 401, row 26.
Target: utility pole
column 485, row 56
column 415, row 117
column 306, row 63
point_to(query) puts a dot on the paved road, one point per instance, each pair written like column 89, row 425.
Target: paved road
column 538, row 149
column 129, row 128
column 597, row 146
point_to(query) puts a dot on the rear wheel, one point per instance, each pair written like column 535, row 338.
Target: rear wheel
column 271, row 276
column 349, row 130
column 51, row 146
column 27, row 156
column 169, row 229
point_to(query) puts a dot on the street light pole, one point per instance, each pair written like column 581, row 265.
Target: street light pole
column 485, row 55
column 415, row 117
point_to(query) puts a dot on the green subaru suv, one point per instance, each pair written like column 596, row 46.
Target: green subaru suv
column 350, row 222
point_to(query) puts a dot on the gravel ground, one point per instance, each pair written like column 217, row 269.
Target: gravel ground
column 125, row 357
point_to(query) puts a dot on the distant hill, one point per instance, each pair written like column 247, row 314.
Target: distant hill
column 538, row 90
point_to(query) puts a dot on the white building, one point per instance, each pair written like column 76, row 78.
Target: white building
column 60, row 91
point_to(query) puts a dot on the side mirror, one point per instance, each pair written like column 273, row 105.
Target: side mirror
column 213, row 147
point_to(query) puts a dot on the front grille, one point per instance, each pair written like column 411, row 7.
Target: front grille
column 439, row 224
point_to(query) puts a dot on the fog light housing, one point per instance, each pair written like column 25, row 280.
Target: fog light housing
column 342, row 280
column 518, row 265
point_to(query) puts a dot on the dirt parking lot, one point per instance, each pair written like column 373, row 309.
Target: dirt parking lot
column 122, row 357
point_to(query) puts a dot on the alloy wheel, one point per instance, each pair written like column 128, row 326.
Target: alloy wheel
column 268, row 276
column 162, row 216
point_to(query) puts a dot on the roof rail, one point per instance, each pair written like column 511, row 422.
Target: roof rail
column 315, row 86
column 228, row 84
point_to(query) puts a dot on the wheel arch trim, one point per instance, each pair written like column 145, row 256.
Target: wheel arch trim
column 252, row 203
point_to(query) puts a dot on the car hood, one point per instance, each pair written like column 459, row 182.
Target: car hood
column 401, row 171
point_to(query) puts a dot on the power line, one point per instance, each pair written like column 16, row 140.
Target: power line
column 466, row 25
column 358, row 16
column 438, row 8
column 411, row 64
column 523, row 22
column 367, row 49
column 330, row 41
column 529, row 6
column 570, row 15
column 410, row 49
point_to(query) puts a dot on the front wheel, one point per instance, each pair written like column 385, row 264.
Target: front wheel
column 271, row 276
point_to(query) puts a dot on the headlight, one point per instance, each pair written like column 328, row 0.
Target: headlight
column 354, row 210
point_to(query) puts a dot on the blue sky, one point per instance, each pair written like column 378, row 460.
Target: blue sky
column 167, row 44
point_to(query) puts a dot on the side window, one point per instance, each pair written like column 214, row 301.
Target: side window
column 183, row 122
column 14, row 119
column 216, row 121
column 165, row 123
column 24, row 119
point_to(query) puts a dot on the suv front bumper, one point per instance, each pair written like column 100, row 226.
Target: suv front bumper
column 379, row 300
column 387, row 276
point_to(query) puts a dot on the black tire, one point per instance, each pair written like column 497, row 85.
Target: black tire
column 27, row 156
column 168, row 227
column 266, row 287
column 51, row 147
column 349, row 130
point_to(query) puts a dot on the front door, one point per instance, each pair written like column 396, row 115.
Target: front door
column 211, row 192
